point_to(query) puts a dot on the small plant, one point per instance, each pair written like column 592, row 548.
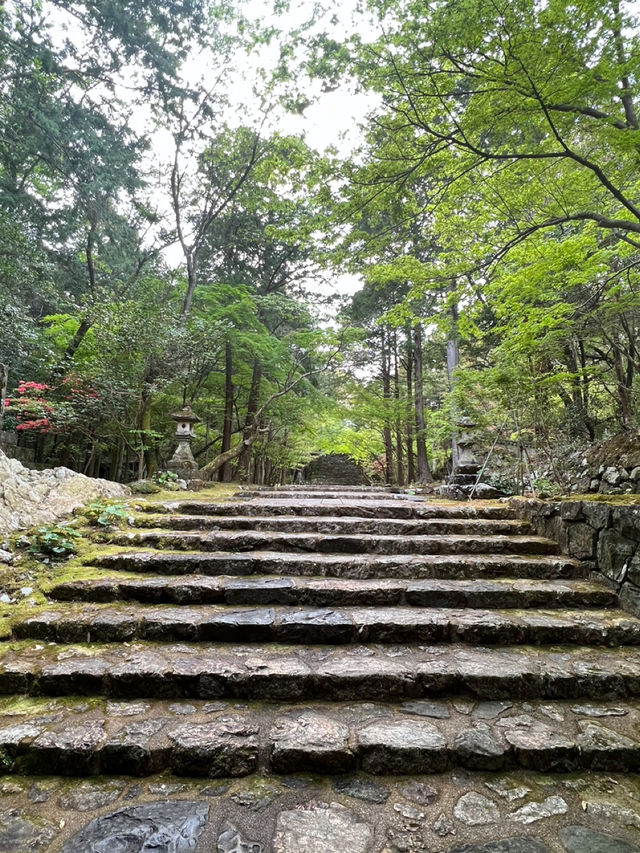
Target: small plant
column 56, row 541
column 105, row 513
column 546, row 488
column 166, row 478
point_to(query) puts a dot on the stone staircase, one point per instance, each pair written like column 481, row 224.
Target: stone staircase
column 325, row 631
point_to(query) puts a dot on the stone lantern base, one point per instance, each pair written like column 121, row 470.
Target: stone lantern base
column 183, row 464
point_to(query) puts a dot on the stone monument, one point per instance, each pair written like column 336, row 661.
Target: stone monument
column 463, row 482
column 182, row 463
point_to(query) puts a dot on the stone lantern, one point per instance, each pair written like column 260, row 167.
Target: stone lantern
column 466, row 465
column 182, row 462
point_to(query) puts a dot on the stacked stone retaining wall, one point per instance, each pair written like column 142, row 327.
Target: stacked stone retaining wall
column 604, row 536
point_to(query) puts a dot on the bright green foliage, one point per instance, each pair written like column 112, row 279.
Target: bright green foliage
column 105, row 513
column 57, row 541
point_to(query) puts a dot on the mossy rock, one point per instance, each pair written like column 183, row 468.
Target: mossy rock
column 144, row 487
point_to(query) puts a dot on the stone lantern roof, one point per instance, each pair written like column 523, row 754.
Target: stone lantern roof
column 186, row 415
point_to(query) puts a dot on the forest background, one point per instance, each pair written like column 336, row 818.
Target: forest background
column 166, row 241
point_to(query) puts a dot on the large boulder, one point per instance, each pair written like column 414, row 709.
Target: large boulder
column 29, row 497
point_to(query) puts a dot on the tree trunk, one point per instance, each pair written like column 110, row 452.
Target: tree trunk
column 224, row 474
column 116, row 460
column 386, row 393
column 453, row 360
column 424, row 474
column 396, row 394
column 148, row 457
column 411, row 464
column 244, row 461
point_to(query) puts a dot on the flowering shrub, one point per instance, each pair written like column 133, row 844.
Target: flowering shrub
column 41, row 408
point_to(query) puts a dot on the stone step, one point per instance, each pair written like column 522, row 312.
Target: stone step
column 326, row 487
column 282, row 624
column 383, row 508
column 330, row 673
column 250, row 540
column 336, row 592
column 342, row 525
column 216, row 740
column 330, row 494
column 357, row 566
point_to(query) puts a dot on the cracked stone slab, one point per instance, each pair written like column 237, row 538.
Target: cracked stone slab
column 535, row 811
column 231, row 840
column 581, row 839
column 474, row 809
column 163, row 827
column 322, row 827
column 19, row 832
column 508, row 845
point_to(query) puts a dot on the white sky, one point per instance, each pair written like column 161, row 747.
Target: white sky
column 333, row 119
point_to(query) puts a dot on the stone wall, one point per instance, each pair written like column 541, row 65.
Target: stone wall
column 604, row 536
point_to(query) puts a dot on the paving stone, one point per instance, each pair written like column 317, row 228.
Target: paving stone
column 412, row 818
column 21, row 832
column 165, row 827
column 509, row 845
column 437, row 710
column 227, row 746
column 534, row 811
column 310, row 742
column 126, row 709
column 599, row 711
column 38, row 794
column 509, row 789
column 419, row 792
column 260, row 795
column 87, row 797
column 321, row 827
column 443, row 826
column 473, row 809
column 181, row 708
column 611, row 813
column 231, row 840
column 490, row 710
column 362, row 788
column 581, row 839
column 399, row 746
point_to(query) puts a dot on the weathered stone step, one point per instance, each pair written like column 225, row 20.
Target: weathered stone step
column 212, row 739
column 336, row 592
column 344, row 525
column 213, row 623
column 250, row 540
column 348, row 507
column 329, row 673
column 343, row 566
column 325, row 487
column 328, row 494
